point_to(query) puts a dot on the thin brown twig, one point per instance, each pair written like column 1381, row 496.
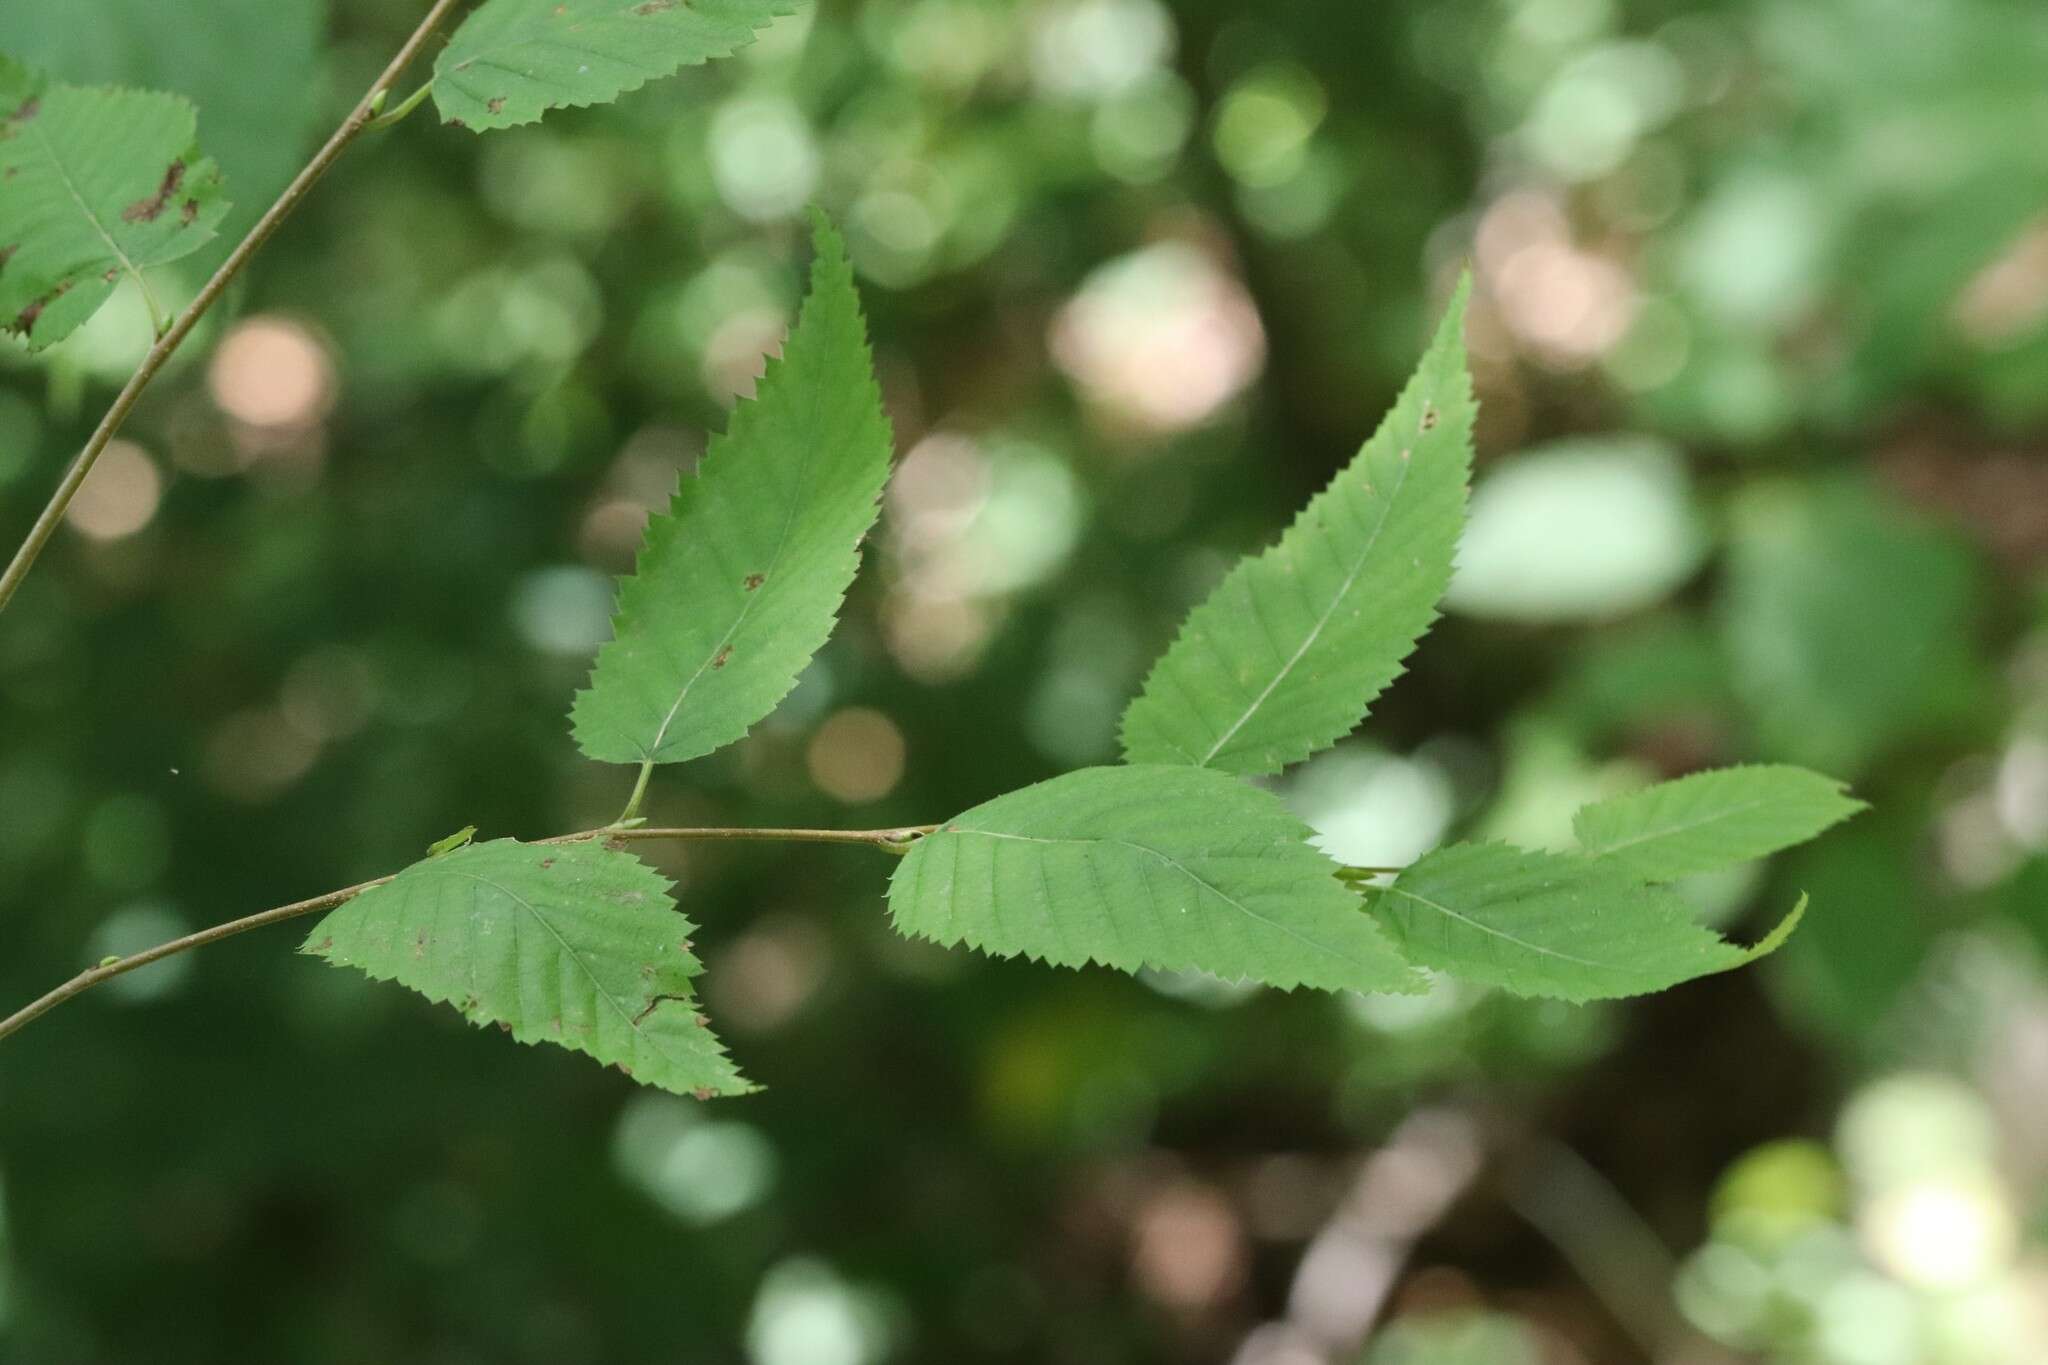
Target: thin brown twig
column 108, row 970
column 889, row 840
column 160, row 352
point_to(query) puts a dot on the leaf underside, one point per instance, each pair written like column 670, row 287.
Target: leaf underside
column 1711, row 819
column 740, row 583
column 1145, row 866
column 94, row 182
column 1551, row 924
column 572, row 944
column 1287, row 654
column 513, row 60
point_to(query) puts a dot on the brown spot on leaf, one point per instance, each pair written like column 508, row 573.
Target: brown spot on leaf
column 26, row 318
column 1429, row 417
column 419, row 944
column 189, row 212
column 107, row 275
column 624, row 1070
column 718, row 659
column 654, row 6
column 753, row 581
column 546, row 863
column 496, row 104
column 703, row 1092
column 505, row 1024
column 25, row 111
column 324, row 944
column 456, row 122
column 148, row 210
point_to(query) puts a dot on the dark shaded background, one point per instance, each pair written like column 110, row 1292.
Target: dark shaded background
column 1762, row 342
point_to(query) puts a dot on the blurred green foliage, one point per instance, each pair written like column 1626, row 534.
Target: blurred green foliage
column 1763, row 287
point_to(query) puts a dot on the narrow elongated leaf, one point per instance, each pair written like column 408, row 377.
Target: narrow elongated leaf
column 1291, row 649
column 1712, row 819
column 93, row 183
column 1145, row 866
column 738, row 585
column 572, row 944
column 513, row 60
column 1552, row 924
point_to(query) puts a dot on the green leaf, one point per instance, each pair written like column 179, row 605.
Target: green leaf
column 1711, row 819
column 573, row 944
column 243, row 63
column 513, row 60
column 93, row 182
column 1145, row 866
column 1289, row 651
column 1552, row 924
column 738, row 586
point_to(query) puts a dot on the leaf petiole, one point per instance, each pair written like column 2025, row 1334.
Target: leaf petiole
column 383, row 118
column 629, row 817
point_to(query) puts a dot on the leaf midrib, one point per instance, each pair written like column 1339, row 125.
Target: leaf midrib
column 1185, row 871
column 1484, row 928
column 1681, row 827
column 801, row 498
column 35, row 127
column 1322, row 621
column 567, row 949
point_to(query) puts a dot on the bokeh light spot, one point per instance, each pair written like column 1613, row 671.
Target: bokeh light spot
column 856, row 756
column 271, row 372
column 120, row 496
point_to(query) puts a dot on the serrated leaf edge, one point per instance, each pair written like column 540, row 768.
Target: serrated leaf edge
column 783, row 11
column 824, row 234
column 1454, row 316
column 480, row 1016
